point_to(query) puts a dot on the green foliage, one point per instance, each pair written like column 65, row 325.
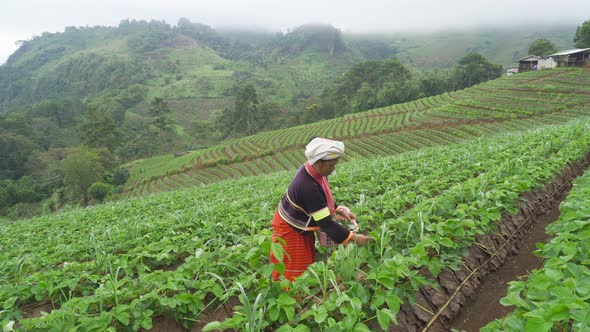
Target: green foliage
column 473, row 69
column 133, row 95
column 120, row 176
column 542, row 46
column 204, row 33
column 373, row 48
column 247, row 108
column 146, row 36
column 582, row 36
column 322, row 38
column 120, row 266
column 370, row 84
column 24, row 190
column 49, row 123
column 247, row 116
column 547, row 101
column 139, row 138
column 99, row 191
column 99, row 131
column 160, row 118
column 15, row 150
column 434, row 83
column 80, row 170
column 555, row 297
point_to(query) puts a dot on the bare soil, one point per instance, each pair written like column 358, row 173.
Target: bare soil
column 169, row 324
column 484, row 306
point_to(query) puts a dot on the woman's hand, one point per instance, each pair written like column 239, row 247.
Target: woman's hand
column 345, row 213
column 361, row 239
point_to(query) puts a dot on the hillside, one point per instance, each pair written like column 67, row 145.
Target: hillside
column 501, row 45
column 198, row 69
column 102, row 88
column 506, row 104
column 189, row 63
column 171, row 259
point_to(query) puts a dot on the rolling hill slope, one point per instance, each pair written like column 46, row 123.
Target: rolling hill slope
column 510, row 103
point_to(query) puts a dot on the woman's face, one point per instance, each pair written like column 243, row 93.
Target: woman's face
column 326, row 167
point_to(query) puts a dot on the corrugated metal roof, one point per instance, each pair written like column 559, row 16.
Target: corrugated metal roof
column 530, row 58
column 570, row 51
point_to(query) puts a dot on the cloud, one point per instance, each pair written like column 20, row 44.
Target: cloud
column 23, row 18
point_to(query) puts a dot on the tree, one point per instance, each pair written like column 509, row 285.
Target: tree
column 358, row 89
column 245, row 111
column 14, row 152
column 80, row 170
column 542, row 46
column 474, row 69
column 99, row 131
column 247, row 107
column 99, row 191
column 160, row 118
column 582, row 36
column 139, row 138
column 364, row 98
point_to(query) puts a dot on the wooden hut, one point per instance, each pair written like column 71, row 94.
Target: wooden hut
column 572, row 58
column 528, row 63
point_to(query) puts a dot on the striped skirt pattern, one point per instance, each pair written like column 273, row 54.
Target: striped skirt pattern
column 299, row 248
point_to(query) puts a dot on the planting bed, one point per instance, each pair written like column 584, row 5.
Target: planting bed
column 460, row 302
column 181, row 255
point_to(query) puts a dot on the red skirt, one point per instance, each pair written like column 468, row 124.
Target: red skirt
column 299, row 248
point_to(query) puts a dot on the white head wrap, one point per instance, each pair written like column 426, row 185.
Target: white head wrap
column 324, row 149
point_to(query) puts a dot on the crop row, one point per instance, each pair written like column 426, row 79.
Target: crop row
column 476, row 102
column 180, row 253
column 557, row 296
column 365, row 147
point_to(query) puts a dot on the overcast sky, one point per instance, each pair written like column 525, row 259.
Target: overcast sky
column 22, row 19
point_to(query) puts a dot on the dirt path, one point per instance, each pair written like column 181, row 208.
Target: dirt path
column 484, row 306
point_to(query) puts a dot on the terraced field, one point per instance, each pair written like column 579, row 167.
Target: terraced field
column 506, row 104
column 129, row 265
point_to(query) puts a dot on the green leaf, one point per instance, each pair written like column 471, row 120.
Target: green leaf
column 290, row 312
column 582, row 316
column 445, row 241
column 273, row 313
column 553, row 273
column 147, row 323
column 386, row 278
column 123, row 317
column 320, row 314
column 513, row 298
column 286, row 300
column 384, row 317
column 8, row 327
column 216, row 325
column 280, row 267
column 557, row 312
column 537, row 324
column 277, row 250
column 267, row 269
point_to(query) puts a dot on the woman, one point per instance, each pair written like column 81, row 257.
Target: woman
column 308, row 206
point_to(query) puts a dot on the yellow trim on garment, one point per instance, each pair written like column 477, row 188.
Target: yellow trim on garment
column 294, row 224
column 321, row 214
